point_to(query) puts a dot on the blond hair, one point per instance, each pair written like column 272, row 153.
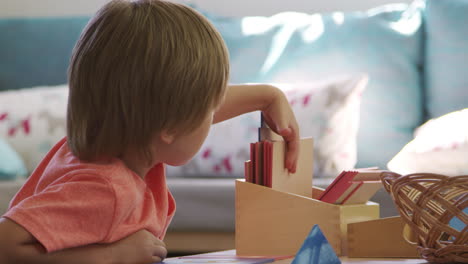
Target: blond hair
column 138, row 68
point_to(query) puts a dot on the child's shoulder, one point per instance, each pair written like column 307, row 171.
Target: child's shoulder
column 60, row 165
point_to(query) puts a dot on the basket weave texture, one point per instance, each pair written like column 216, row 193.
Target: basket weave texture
column 428, row 203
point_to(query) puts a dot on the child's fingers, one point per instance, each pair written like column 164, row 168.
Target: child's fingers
column 286, row 133
column 159, row 253
column 156, row 260
column 292, row 155
column 292, row 151
column 158, row 242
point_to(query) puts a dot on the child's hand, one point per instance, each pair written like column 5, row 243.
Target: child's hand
column 141, row 247
column 276, row 111
column 280, row 118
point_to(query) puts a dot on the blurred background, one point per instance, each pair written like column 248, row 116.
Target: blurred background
column 34, row 8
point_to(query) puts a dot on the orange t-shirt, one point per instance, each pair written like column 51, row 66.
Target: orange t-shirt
column 68, row 203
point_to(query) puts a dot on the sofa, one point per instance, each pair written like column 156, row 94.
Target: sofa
column 412, row 57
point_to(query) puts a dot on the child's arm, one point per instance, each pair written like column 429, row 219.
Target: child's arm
column 275, row 108
column 18, row 246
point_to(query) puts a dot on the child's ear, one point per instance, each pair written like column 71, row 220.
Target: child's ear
column 167, row 136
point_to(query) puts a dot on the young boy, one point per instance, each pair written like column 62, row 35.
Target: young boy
column 147, row 79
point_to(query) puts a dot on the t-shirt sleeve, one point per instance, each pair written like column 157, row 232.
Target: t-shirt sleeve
column 75, row 212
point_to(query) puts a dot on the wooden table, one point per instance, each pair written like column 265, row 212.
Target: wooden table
column 344, row 260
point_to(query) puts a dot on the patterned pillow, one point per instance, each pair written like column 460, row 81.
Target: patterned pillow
column 439, row 146
column 327, row 110
column 33, row 120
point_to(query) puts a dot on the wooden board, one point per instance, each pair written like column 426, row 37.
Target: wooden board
column 300, row 182
column 379, row 238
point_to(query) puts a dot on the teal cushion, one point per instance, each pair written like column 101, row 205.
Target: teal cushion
column 385, row 42
column 36, row 51
column 11, row 164
column 247, row 52
column 446, row 73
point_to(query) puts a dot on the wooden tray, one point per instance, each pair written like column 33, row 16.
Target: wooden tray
column 271, row 222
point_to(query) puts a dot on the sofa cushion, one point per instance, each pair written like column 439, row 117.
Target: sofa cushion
column 385, row 42
column 203, row 204
column 11, row 164
column 327, row 110
column 440, row 146
column 8, row 189
column 33, row 120
column 446, row 74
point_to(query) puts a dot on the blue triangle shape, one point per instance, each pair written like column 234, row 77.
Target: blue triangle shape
column 316, row 250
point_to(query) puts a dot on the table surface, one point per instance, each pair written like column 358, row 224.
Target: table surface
column 344, row 260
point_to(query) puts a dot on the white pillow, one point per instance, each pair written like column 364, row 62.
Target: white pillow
column 327, row 110
column 32, row 120
column 440, row 146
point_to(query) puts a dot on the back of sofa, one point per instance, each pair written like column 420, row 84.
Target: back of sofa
column 36, row 51
column 286, row 47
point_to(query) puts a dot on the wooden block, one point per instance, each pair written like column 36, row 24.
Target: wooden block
column 378, row 239
column 271, row 222
column 317, row 192
column 265, row 133
column 299, row 182
column 355, row 213
column 364, row 192
column 248, row 171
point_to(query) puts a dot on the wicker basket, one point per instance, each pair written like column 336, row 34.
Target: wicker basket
column 428, row 203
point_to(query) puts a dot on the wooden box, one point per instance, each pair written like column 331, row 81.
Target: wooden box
column 271, row 222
